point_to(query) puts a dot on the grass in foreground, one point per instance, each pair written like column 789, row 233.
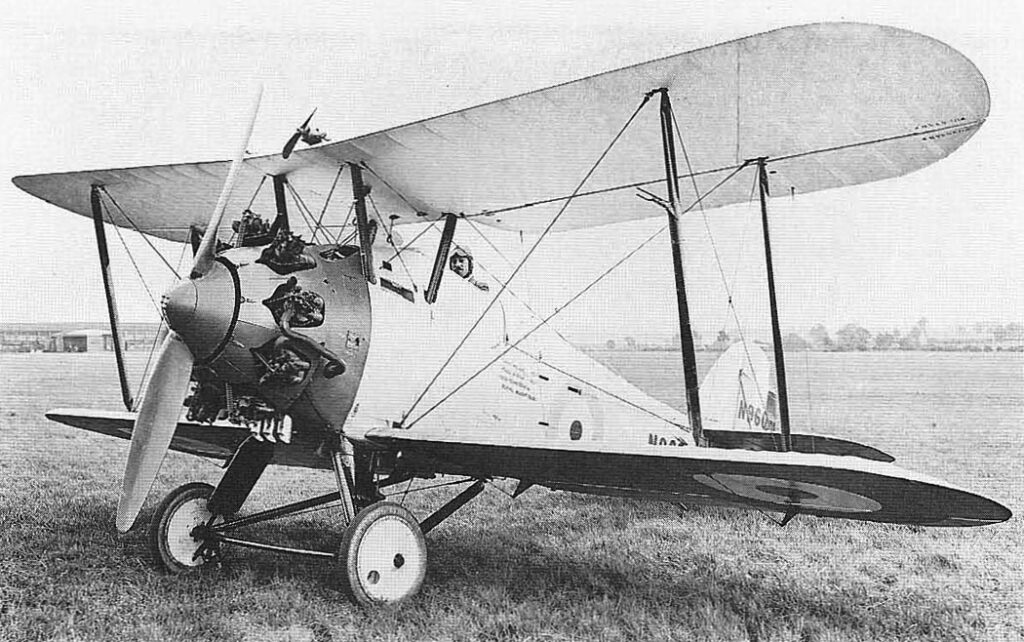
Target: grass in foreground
column 549, row 566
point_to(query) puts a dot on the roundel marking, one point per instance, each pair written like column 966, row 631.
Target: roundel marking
column 787, row 492
column 576, row 430
column 794, row 495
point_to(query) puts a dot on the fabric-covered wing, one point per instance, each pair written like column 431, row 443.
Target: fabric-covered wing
column 830, row 105
column 824, row 485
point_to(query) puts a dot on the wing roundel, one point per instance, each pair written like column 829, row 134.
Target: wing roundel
column 830, row 105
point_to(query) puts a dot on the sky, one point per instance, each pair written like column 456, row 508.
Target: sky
column 121, row 84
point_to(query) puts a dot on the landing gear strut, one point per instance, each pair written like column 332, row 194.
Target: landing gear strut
column 382, row 558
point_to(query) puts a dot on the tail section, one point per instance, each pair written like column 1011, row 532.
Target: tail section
column 736, row 392
column 740, row 411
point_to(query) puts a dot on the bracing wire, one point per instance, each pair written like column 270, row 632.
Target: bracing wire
column 163, row 323
column 391, row 242
column 303, row 210
column 476, row 229
column 432, row 226
column 599, row 388
column 540, row 324
column 327, row 201
column 136, row 228
column 344, row 224
column 135, row 265
column 532, row 249
column 561, row 308
column 408, row 203
column 515, row 296
column 390, row 187
column 714, row 248
column 257, row 192
column 409, row 490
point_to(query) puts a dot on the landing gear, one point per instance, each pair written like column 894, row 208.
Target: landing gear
column 383, row 556
column 173, row 540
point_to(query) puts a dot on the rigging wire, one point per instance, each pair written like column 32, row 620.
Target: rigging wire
column 256, row 193
column 476, row 229
column 409, row 490
column 807, row 380
column 135, row 265
column 160, row 327
column 532, row 249
column 149, row 357
column 538, row 326
column 599, row 388
column 714, row 248
column 569, row 302
column 408, row 203
column 391, row 242
column 597, row 192
column 432, row 226
column 515, row 296
column 813, row 152
column 344, row 224
column 135, row 227
column 327, row 201
column 390, row 187
column 303, row 210
column 730, row 308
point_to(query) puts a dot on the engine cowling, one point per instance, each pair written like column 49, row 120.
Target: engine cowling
column 276, row 338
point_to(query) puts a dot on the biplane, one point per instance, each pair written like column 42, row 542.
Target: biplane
column 383, row 361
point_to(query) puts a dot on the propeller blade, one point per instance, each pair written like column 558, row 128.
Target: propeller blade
column 308, row 118
column 154, row 427
column 290, row 145
column 208, row 246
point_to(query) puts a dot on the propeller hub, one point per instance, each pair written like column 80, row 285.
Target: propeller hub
column 203, row 310
column 179, row 305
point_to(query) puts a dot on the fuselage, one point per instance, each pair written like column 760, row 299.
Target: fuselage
column 317, row 341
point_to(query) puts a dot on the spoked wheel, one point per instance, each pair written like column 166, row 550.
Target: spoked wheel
column 171, row 539
column 383, row 556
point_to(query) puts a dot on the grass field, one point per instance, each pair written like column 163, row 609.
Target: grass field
column 549, row 566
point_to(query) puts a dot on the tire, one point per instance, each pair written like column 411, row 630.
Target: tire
column 170, row 541
column 383, row 556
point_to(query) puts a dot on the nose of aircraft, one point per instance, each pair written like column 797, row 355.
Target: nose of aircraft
column 202, row 310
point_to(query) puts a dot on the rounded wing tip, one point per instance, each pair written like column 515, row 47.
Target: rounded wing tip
column 24, row 182
column 970, row 509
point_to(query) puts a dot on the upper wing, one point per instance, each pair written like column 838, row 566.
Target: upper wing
column 830, row 105
column 824, row 485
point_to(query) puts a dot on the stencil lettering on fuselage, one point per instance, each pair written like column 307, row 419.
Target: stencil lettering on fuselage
column 515, row 380
column 654, row 439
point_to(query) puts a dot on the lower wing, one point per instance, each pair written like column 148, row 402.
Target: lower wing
column 216, row 441
column 797, row 483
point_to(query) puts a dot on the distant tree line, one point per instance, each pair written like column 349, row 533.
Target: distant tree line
column 854, row 338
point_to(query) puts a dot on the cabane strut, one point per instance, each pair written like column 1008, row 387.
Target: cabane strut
column 359, row 192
